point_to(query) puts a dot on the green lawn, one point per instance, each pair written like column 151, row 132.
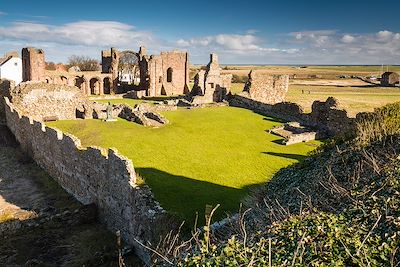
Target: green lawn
column 204, row 156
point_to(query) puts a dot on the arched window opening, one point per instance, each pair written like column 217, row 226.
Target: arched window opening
column 169, row 75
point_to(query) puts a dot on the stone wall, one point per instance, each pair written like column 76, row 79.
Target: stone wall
column 33, row 64
column 5, row 89
column 92, row 175
column 43, row 101
column 326, row 116
column 266, row 88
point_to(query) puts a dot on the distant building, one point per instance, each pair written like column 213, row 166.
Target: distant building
column 11, row 68
column 390, row 79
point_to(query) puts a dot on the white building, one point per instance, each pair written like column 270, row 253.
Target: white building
column 11, row 69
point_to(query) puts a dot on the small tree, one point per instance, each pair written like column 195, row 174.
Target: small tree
column 84, row 63
column 50, row 66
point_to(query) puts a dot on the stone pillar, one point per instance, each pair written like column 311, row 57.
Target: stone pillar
column 114, row 69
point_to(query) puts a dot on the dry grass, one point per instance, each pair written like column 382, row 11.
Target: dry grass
column 353, row 99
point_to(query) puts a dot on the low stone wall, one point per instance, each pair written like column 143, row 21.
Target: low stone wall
column 42, row 101
column 326, row 116
column 286, row 111
column 92, row 175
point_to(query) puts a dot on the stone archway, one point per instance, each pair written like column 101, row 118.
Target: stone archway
column 95, row 86
column 107, row 85
column 128, row 67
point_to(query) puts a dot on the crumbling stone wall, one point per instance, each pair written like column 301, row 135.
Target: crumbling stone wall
column 92, row 175
column 266, row 88
column 210, row 85
column 329, row 116
column 326, row 116
column 33, row 64
column 106, row 60
column 164, row 74
column 43, row 101
column 139, row 114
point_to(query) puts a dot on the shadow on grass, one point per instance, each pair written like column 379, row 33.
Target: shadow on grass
column 278, row 142
column 288, row 156
column 185, row 197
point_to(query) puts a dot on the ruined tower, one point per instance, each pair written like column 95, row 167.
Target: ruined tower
column 114, row 69
column 33, row 64
column 210, row 85
column 105, row 61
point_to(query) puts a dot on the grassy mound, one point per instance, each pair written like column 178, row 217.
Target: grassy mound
column 338, row 208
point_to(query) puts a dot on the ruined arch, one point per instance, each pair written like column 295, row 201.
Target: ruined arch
column 107, row 85
column 63, row 80
column 81, row 83
column 128, row 67
column 169, row 74
column 95, row 86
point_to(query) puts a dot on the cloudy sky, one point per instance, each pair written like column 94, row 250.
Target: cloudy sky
column 245, row 32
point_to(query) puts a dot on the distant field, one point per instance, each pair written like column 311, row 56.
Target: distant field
column 323, row 71
column 308, row 69
column 353, row 99
column 204, row 156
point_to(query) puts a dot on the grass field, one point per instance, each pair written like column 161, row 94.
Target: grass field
column 204, row 156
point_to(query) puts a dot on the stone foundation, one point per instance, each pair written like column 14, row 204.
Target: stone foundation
column 41, row 101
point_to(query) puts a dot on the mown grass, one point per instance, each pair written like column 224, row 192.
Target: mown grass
column 204, row 156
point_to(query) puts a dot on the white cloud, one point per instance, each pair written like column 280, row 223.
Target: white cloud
column 89, row 33
column 384, row 36
column 302, row 47
column 232, row 43
column 332, row 47
column 347, row 38
column 3, row 13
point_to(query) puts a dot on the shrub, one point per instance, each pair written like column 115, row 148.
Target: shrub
column 376, row 126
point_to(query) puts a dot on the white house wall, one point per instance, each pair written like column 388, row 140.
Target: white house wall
column 12, row 70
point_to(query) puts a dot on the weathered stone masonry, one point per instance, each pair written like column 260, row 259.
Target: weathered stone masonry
column 92, row 175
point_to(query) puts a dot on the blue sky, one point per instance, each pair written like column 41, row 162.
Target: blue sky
column 252, row 32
